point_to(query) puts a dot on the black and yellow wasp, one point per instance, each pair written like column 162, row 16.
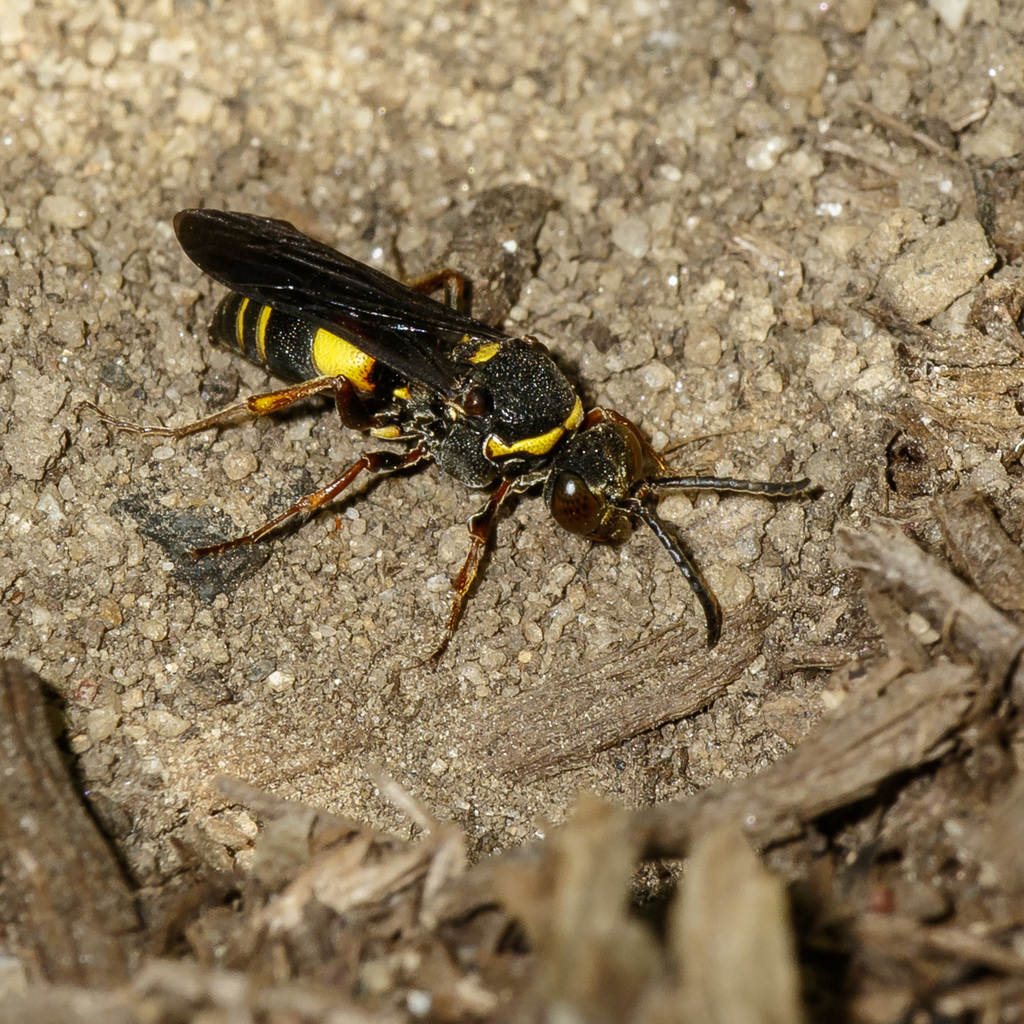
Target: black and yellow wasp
column 493, row 411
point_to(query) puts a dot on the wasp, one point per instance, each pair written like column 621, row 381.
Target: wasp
column 491, row 410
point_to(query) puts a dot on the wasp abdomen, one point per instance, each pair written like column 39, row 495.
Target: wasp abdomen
column 287, row 346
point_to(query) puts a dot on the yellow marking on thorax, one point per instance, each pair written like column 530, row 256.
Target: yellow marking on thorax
column 539, row 445
column 261, row 332
column 575, row 418
column 402, row 393
column 485, row 352
column 335, row 357
column 240, row 325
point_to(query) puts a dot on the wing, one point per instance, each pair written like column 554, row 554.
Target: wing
column 275, row 264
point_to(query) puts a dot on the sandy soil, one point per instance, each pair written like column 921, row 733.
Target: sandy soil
column 736, row 257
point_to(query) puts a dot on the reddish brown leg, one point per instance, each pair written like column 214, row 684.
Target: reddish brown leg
column 371, row 462
column 454, row 286
column 480, row 525
column 351, row 410
column 352, row 415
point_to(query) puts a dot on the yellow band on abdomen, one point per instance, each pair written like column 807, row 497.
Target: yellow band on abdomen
column 240, row 324
column 335, row 357
column 261, row 332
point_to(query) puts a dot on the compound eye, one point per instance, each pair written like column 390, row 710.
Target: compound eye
column 478, row 401
column 574, row 505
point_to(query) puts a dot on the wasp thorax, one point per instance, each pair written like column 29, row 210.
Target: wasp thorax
column 529, row 395
column 596, row 471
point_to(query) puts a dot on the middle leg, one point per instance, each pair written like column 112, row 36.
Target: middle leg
column 371, row 462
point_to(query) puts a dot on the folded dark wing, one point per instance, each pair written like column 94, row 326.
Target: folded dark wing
column 273, row 263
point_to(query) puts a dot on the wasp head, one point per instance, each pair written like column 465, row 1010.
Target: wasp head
column 590, row 489
column 607, row 477
column 601, row 484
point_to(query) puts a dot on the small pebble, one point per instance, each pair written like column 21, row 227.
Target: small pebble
column 194, row 105
column 856, row 15
column 163, row 723
column 101, row 53
column 418, row 1003
column 109, row 612
column 703, row 345
column 657, row 377
column 951, row 12
column 233, row 829
column 80, row 743
column 376, row 978
column 732, row 587
column 64, row 212
column 632, row 235
column 763, row 154
column 999, row 137
column 101, row 723
column 12, row 24
column 944, row 264
column 67, row 329
column 798, row 64
column 280, row 682
column 154, row 629
column 239, row 465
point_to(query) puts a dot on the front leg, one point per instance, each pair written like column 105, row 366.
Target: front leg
column 481, row 523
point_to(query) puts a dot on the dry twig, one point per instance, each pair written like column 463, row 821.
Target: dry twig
column 65, row 907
